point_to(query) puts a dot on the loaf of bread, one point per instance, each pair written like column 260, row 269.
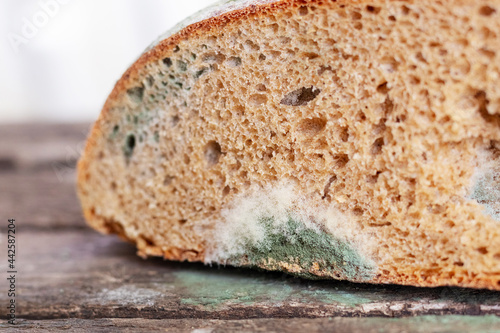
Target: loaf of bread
column 348, row 139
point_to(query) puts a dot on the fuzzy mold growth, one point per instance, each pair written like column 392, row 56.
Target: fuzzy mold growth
column 295, row 244
column 486, row 181
column 276, row 229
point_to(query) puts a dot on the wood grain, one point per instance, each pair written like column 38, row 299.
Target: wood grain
column 426, row 324
column 37, row 174
column 72, row 276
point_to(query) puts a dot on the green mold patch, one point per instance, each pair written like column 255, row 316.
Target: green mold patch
column 312, row 250
column 130, row 131
column 276, row 228
column 433, row 323
column 215, row 289
column 487, row 193
column 212, row 290
column 114, row 132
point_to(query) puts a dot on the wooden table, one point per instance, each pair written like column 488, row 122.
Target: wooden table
column 72, row 278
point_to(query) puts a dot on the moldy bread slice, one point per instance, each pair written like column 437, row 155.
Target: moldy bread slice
column 354, row 140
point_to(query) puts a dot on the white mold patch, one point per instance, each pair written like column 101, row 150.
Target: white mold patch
column 486, row 184
column 128, row 295
column 218, row 8
column 290, row 217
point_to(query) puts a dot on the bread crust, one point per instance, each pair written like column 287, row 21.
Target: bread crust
column 165, row 48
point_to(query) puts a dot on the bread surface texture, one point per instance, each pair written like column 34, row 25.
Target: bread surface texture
column 355, row 140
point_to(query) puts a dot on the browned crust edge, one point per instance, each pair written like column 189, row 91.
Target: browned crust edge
column 163, row 49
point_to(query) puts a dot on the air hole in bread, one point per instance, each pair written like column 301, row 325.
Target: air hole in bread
column 360, row 116
column 258, row 99
column 303, row 11
column 405, row 10
column 323, row 69
column 182, row 65
column 213, row 58
column 480, row 101
column 482, row 250
column 382, row 88
column 175, row 120
column 261, row 87
column 490, row 54
column 234, row 61
column 274, row 54
column 250, row 46
column 200, row 72
column 150, row 80
column 136, row 94
column 414, row 80
column 372, row 179
column 128, row 149
column 168, row 180
column 311, row 127
column 486, row 11
column 379, row 128
column 300, row 96
column 212, row 153
column 326, row 190
column 167, row 62
column 357, row 211
column 377, row 146
column 341, row 160
column 440, row 209
column 344, row 134
column 389, row 64
column 310, row 55
column 356, row 15
column 285, row 40
column 373, row 9
column 420, row 57
column 449, row 224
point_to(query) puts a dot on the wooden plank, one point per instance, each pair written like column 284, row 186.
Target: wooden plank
column 33, row 146
column 39, row 199
column 354, row 325
column 37, row 174
column 81, row 274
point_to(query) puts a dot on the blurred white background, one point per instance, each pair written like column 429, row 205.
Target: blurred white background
column 59, row 59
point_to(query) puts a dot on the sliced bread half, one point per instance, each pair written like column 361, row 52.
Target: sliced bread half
column 354, row 140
